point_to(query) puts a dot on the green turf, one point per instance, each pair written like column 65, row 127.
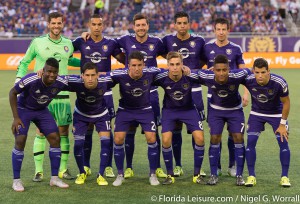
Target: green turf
column 137, row 189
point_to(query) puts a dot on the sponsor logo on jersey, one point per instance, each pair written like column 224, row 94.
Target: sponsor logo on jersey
column 262, row 98
column 177, row 95
column 42, row 99
column 222, row 93
column 90, row 99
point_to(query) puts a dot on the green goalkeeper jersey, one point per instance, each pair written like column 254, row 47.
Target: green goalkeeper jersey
column 44, row 47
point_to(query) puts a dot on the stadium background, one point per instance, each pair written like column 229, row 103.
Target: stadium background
column 281, row 48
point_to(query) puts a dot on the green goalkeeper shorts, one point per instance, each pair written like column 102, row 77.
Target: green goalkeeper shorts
column 61, row 110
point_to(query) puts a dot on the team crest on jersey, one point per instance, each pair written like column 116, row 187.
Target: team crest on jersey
column 151, row 47
column 232, row 87
column 185, row 86
column 270, row 91
column 104, row 48
column 100, row 92
column 192, row 44
column 21, row 84
column 66, row 48
column 146, row 82
column 228, row 51
column 54, row 90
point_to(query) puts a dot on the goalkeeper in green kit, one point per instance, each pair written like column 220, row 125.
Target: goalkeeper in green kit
column 54, row 45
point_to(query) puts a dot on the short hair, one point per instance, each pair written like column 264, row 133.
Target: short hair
column 52, row 62
column 260, row 63
column 54, row 15
column 140, row 16
column 89, row 65
column 221, row 59
column 95, row 16
column 222, row 21
column 173, row 54
column 181, row 14
column 136, row 55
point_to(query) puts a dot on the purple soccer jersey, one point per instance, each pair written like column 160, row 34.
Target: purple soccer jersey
column 97, row 52
column 224, row 96
column 135, row 94
column 266, row 99
column 90, row 103
column 34, row 94
column 232, row 51
column 191, row 49
column 151, row 48
column 178, row 105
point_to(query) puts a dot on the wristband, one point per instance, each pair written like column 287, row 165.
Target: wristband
column 283, row 121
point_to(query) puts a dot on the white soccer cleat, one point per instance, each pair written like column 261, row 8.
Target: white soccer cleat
column 55, row 181
column 153, row 180
column 232, row 171
column 119, row 180
column 18, row 185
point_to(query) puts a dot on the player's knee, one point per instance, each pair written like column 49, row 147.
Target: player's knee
column 119, row 139
column 54, row 140
column 64, row 130
column 215, row 139
column 20, row 143
column 238, row 137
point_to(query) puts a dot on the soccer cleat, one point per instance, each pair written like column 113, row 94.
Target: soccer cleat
column 178, row 171
column 80, row 178
column 251, row 181
column 18, row 185
column 153, row 180
column 102, row 181
column 109, row 173
column 87, row 170
column 240, row 181
column 55, row 181
column 119, row 180
column 213, row 180
column 219, row 172
column 128, row 173
column 198, row 179
column 160, row 173
column 65, row 175
column 38, row 177
column 202, row 173
column 169, row 180
column 232, row 171
column 285, row 182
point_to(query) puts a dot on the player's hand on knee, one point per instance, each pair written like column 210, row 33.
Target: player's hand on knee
column 16, row 125
column 283, row 132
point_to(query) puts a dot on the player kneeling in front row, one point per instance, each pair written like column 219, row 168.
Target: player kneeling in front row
column 31, row 106
column 178, row 106
column 90, row 108
column 270, row 104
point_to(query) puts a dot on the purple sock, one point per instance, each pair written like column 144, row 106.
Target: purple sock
column 104, row 154
column 198, row 158
column 219, row 160
column 17, row 159
column 176, row 146
column 251, row 152
column 111, row 149
column 119, row 156
column 285, row 156
column 168, row 158
column 54, row 154
column 129, row 148
column 158, row 149
column 88, row 143
column 230, row 144
column 239, row 157
column 214, row 153
column 78, row 152
column 153, row 156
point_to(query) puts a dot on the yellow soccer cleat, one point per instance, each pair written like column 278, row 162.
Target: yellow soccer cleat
column 285, row 182
column 251, row 181
column 202, row 173
column 160, row 173
column 87, row 170
column 80, row 178
column 178, row 171
column 65, row 175
column 128, row 173
column 101, row 181
column 109, row 173
column 169, row 180
column 198, row 179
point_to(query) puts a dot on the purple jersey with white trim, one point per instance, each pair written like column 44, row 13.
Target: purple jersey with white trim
column 135, row 94
column 224, row 95
column 97, row 52
column 178, row 95
column 232, row 51
column 191, row 49
column 266, row 99
column 34, row 94
column 89, row 101
column 151, row 48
